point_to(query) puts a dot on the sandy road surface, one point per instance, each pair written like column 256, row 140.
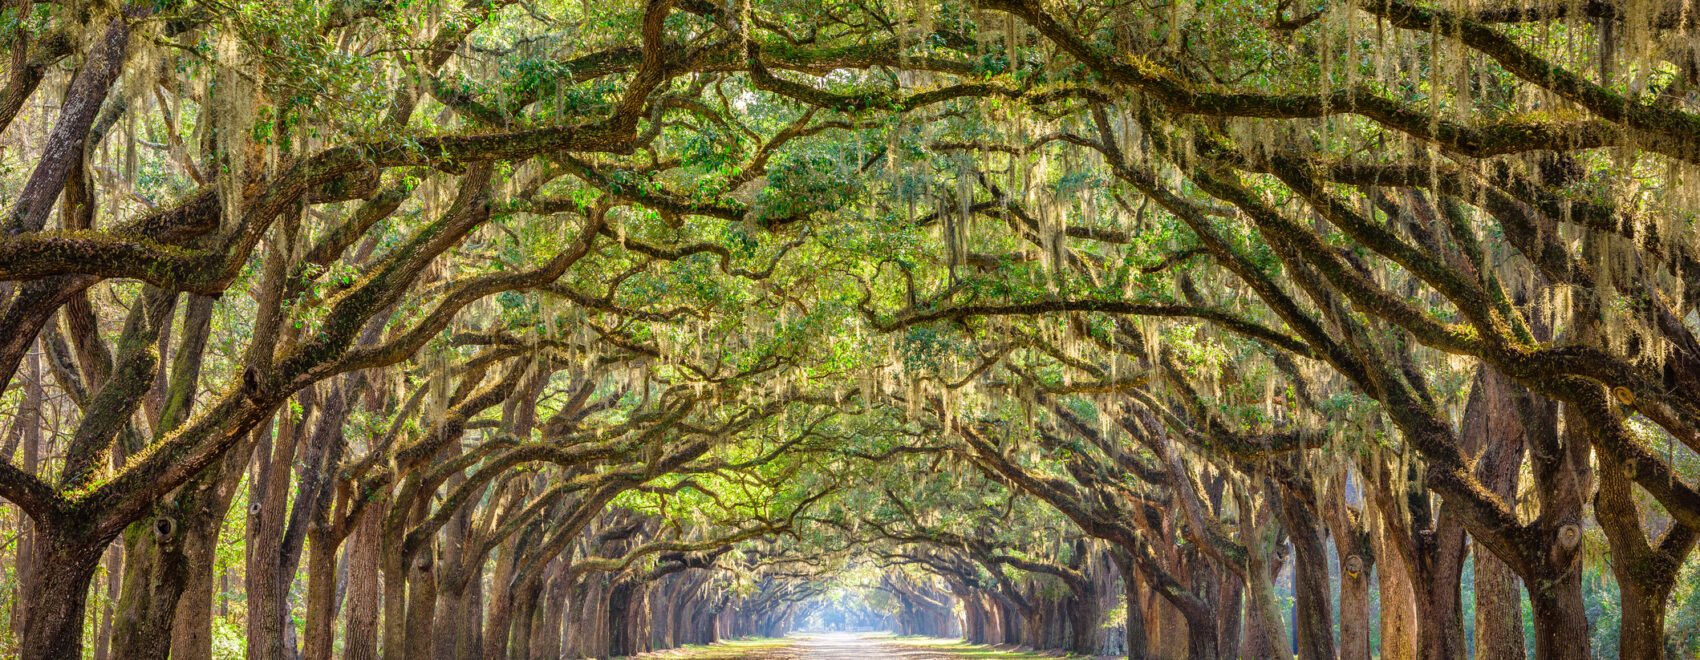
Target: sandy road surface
column 847, row 646
column 840, row 646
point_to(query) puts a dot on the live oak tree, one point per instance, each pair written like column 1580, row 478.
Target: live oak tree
column 531, row 329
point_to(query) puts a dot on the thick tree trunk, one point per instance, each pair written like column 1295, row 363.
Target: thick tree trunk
column 154, row 579
column 1265, row 636
column 1356, row 557
column 1136, row 641
column 578, row 602
column 168, row 586
column 451, row 618
column 166, row 601
column 1561, row 621
column 1499, row 609
column 394, row 601
column 452, row 589
column 421, row 605
column 1494, row 429
column 1645, row 573
column 1313, row 612
column 973, row 619
column 1398, row 600
column 360, row 641
column 54, row 608
column 500, row 616
column 1563, row 480
column 524, row 617
column 1440, row 573
column 321, row 594
column 1201, row 642
column 1201, row 620
column 1355, row 625
column 547, row 646
column 470, row 641
column 1232, row 614
column 191, row 630
column 1642, row 635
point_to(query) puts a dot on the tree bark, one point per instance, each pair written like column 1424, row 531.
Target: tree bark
column 547, row 646
column 500, row 616
column 1356, row 556
column 321, row 592
column 421, row 604
column 114, row 573
column 55, row 605
column 1499, row 609
column 27, row 426
column 1398, row 601
column 154, row 578
column 360, row 636
column 268, row 497
column 1312, row 610
column 1645, row 574
column 1495, row 427
column 1135, row 615
column 1265, row 637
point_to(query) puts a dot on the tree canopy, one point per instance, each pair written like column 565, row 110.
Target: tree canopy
column 541, row 329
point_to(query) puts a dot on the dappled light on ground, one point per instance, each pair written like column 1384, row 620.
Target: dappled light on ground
column 845, row 646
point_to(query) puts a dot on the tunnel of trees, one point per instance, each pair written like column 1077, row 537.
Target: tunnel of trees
column 569, row 328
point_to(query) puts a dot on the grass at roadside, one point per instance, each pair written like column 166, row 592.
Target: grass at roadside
column 737, row 649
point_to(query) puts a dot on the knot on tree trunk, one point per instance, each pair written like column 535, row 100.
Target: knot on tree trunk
column 164, row 528
column 1567, row 539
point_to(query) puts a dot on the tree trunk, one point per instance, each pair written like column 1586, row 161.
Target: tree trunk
column 1232, row 614
column 1313, row 613
column 421, row 604
column 451, row 618
column 501, row 600
column 1201, row 642
column 1645, row 573
column 268, row 499
column 191, row 630
column 1398, row 602
column 321, row 593
column 27, row 424
column 1561, row 621
column 524, row 619
column 1265, row 637
column 1440, row 573
column 1563, row 479
column 154, row 578
column 114, row 580
column 547, row 646
column 1354, row 607
column 470, row 641
column 1499, row 609
column 1356, row 558
column 1642, row 635
column 55, row 605
column 1136, row 642
column 360, row 641
column 1494, row 428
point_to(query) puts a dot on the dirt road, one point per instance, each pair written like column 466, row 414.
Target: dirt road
column 843, row 646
